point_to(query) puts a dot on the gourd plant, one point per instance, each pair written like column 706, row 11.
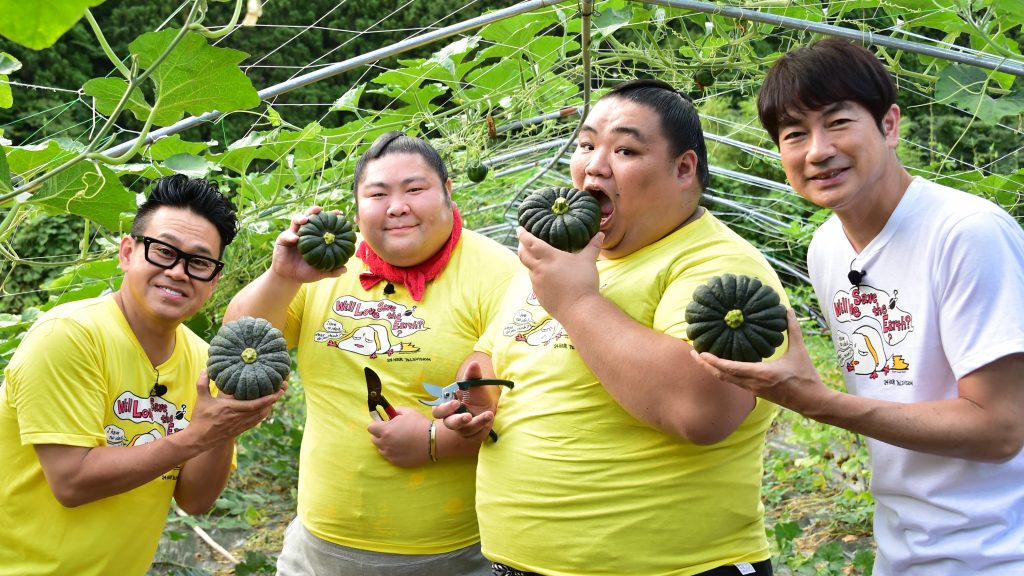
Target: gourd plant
column 736, row 318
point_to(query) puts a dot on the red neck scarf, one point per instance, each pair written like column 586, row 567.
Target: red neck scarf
column 414, row 278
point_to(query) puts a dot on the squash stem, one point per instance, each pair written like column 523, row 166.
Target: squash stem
column 561, row 206
column 734, row 319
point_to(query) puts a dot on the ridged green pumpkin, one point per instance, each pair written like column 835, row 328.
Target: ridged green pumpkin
column 565, row 218
column 327, row 241
column 477, row 172
column 248, row 358
column 736, row 318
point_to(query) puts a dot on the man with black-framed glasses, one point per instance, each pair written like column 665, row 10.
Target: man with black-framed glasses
column 167, row 256
column 106, row 411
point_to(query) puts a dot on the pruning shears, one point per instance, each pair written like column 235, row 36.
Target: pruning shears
column 459, row 390
column 375, row 398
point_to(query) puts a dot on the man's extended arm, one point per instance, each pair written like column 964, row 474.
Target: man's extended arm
column 985, row 422
column 78, row 475
column 269, row 295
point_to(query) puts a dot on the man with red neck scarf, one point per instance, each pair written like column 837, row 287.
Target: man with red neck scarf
column 394, row 496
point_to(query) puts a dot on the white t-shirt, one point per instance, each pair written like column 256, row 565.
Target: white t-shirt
column 942, row 295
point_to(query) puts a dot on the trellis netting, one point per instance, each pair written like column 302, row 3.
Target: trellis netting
column 505, row 89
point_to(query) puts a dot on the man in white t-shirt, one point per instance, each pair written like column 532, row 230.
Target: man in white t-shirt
column 923, row 287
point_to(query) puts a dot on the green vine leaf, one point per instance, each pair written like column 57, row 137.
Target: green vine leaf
column 89, row 190
column 349, row 101
column 107, row 92
column 8, row 64
column 548, row 51
column 511, row 33
column 611, row 19
column 39, row 23
column 190, row 165
column 168, row 146
column 195, row 78
column 1014, row 9
column 274, row 117
column 964, row 86
column 491, row 83
column 453, row 54
column 29, row 161
column 401, row 82
column 6, row 98
column 273, row 145
column 141, row 170
column 242, row 152
column 419, row 98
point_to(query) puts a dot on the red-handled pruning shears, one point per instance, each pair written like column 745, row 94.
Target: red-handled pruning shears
column 375, row 398
column 459, row 390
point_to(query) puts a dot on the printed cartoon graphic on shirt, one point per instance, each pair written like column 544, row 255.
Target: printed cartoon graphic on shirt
column 115, row 435
column 380, row 327
column 149, row 418
column 166, row 418
column 878, row 325
column 524, row 328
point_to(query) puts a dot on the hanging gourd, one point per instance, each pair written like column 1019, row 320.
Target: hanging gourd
column 477, row 172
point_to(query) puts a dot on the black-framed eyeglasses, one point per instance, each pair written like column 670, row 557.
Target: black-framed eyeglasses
column 164, row 255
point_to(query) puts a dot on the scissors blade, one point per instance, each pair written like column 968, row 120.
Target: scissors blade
column 433, row 389
column 373, row 387
column 441, row 395
column 374, row 396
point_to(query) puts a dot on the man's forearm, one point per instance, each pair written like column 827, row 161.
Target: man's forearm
column 203, row 478
column 652, row 375
column 956, row 428
column 79, row 475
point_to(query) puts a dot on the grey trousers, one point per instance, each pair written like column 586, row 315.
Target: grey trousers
column 306, row 555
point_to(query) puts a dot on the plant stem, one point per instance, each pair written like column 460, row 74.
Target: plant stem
column 216, row 34
column 98, row 32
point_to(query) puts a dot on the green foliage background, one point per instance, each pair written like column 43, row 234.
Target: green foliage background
column 489, row 94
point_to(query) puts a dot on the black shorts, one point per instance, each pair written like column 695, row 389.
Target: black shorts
column 763, row 568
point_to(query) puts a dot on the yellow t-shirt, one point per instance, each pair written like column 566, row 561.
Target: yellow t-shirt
column 577, row 485
column 348, row 493
column 80, row 378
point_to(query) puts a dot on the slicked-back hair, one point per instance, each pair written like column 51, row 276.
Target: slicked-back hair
column 198, row 196
column 825, row 73
column 680, row 122
column 396, row 142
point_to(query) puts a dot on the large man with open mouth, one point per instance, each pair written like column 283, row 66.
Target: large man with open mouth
column 618, row 455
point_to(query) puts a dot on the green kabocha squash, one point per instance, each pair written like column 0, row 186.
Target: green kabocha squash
column 566, row 218
column 736, row 318
column 477, row 172
column 704, row 77
column 327, row 240
column 248, row 358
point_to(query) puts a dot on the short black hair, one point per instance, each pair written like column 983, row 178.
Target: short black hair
column 396, row 142
column 680, row 122
column 197, row 195
column 826, row 72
